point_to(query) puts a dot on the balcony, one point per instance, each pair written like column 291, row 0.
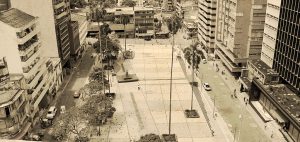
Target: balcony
column 28, row 46
column 229, row 64
column 58, row 16
column 26, row 35
column 59, row 4
column 30, row 70
column 28, row 60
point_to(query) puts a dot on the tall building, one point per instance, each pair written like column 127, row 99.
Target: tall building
column 55, row 19
column 273, row 81
column 20, row 44
column 74, row 39
column 239, row 32
column 81, row 18
column 4, row 5
column 206, row 24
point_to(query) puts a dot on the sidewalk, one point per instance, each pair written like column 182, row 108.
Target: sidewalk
column 271, row 127
column 218, row 125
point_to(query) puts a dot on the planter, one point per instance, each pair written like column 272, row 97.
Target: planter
column 169, row 138
column 191, row 113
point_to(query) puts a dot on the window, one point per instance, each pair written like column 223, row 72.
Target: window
column 7, row 112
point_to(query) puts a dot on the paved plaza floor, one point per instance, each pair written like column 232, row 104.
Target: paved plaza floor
column 145, row 111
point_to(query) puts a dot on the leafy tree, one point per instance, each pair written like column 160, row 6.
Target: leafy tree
column 70, row 122
column 129, row 3
column 174, row 23
column 78, row 4
column 96, row 109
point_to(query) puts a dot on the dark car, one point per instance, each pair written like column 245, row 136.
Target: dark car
column 147, row 38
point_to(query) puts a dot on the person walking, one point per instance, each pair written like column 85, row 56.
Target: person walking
column 139, row 87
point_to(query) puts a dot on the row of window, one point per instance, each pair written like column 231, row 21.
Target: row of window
column 289, row 40
column 291, row 4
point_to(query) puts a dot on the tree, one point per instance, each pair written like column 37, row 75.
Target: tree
column 70, row 122
column 174, row 23
column 129, row 3
column 96, row 109
column 193, row 60
column 78, row 4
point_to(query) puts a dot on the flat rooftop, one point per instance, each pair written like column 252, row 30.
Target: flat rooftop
column 16, row 18
column 77, row 17
column 7, row 96
column 263, row 67
column 286, row 98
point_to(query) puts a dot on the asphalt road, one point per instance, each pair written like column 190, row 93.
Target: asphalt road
column 77, row 80
column 71, row 83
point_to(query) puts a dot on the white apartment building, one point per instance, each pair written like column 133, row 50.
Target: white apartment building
column 270, row 31
column 239, row 30
column 21, row 45
column 206, row 24
column 83, row 23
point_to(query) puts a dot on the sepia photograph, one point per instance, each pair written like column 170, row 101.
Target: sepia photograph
column 150, row 70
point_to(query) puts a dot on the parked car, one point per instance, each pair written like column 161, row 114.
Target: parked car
column 147, row 38
column 204, row 61
column 51, row 112
column 62, row 109
column 206, row 87
column 76, row 94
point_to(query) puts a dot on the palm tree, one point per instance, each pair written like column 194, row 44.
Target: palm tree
column 173, row 26
column 125, row 20
column 193, row 60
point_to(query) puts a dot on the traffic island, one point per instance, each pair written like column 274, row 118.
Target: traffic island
column 169, row 138
column 127, row 78
column 191, row 113
column 150, row 138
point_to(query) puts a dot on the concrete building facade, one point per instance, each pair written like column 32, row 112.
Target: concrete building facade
column 144, row 21
column 4, row 5
column 55, row 19
column 13, row 103
column 239, row 29
column 206, row 21
column 273, row 80
column 20, row 40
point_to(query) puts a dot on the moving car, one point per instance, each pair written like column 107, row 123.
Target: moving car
column 76, row 94
column 51, row 112
column 206, row 87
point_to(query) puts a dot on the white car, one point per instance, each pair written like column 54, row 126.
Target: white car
column 204, row 61
column 62, row 109
column 206, row 87
column 51, row 112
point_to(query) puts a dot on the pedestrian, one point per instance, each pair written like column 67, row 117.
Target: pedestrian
column 265, row 126
column 246, row 103
column 272, row 134
column 244, row 99
column 139, row 87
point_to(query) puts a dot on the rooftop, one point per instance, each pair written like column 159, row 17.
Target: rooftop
column 15, row 18
column 120, row 10
column 143, row 8
column 286, row 98
column 77, row 17
column 263, row 67
column 7, row 96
